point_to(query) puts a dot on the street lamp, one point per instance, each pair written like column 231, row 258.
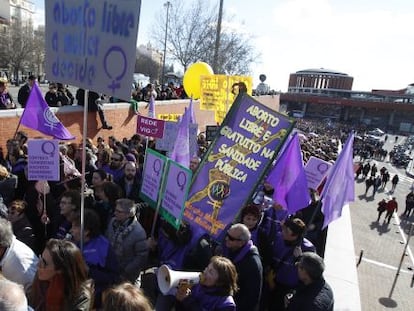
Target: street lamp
column 218, row 33
column 167, row 5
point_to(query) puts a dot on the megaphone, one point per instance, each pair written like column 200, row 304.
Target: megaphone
column 168, row 279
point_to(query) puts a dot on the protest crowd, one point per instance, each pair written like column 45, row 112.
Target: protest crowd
column 267, row 259
column 268, row 254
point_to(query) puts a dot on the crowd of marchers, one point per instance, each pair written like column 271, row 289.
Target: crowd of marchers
column 267, row 259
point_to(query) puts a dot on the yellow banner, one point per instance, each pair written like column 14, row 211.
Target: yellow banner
column 218, row 91
column 169, row 116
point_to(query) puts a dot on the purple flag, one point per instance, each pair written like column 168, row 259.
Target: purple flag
column 288, row 177
column 181, row 151
column 339, row 188
column 38, row 116
column 151, row 107
column 191, row 112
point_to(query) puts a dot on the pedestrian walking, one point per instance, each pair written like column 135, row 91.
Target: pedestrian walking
column 365, row 170
column 369, row 182
column 377, row 184
column 394, row 182
column 382, row 206
column 392, row 206
column 409, row 204
column 385, row 179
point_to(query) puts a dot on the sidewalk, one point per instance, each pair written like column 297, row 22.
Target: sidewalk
column 341, row 272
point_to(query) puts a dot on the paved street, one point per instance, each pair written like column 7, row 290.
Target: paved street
column 383, row 245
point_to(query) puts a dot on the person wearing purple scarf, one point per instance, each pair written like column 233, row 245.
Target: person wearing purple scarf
column 98, row 254
column 217, row 285
column 239, row 248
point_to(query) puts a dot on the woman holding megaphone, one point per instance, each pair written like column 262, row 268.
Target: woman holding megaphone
column 215, row 291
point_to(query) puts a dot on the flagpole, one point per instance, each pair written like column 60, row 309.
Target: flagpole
column 85, row 134
column 18, row 125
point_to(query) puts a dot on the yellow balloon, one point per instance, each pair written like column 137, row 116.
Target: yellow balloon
column 192, row 78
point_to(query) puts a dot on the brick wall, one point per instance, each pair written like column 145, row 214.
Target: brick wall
column 120, row 116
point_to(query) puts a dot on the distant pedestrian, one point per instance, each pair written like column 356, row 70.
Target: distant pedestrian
column 369, row 182
column 409, row 204
column 396, row 139
column 385, row 179
column 385, row 138
column 394, row 182
column 374, row 169
column 382, row 206
column 365, row 170
column 377, row 184
column 392, row 206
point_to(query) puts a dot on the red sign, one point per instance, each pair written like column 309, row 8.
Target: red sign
column 150, row 127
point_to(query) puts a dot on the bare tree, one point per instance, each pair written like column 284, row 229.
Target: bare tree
column 191, row 37
column 17, row 46
column 146, row 65
column 39, row 52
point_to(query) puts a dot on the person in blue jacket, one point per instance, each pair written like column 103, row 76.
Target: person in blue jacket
column 215, row 290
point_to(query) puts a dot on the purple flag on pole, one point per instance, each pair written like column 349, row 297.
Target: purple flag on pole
column 339, row 188
column 38, row 116
column 151, row 107
column 288, row 177
column 181, row 151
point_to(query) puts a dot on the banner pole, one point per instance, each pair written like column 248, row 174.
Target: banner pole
column 83, row 184
column 157, row 209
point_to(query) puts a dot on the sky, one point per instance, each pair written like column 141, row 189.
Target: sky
column 370, row 40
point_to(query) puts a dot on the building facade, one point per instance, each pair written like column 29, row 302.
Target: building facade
column 327, row 94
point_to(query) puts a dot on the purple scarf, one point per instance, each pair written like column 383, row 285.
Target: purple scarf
column 235, row 257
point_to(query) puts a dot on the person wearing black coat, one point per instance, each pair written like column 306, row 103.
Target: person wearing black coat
column 240, row 250
column 314, row 293
column 94, row 104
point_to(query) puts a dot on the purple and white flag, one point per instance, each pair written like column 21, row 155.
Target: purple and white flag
column 38, row 116
column 181, row 151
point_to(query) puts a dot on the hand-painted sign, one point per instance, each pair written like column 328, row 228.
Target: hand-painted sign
column 316, row 170
column 248, row 141
column 92, row 44
column 175, row 193
column 150, row 127
column 43, row 160
column 219, row 91
column 170, row 137
column 152, row 176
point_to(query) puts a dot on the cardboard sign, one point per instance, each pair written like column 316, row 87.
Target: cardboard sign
column 169, row 116
column 152, row 177
column 217, row 93
column 316, row 170
column 170, row 135
column 43, row 160
column 175, row 191
column 92, row 44
column 150, row 127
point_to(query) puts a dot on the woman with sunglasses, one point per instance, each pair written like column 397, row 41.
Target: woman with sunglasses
column 61, row 282
column 215, row 290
